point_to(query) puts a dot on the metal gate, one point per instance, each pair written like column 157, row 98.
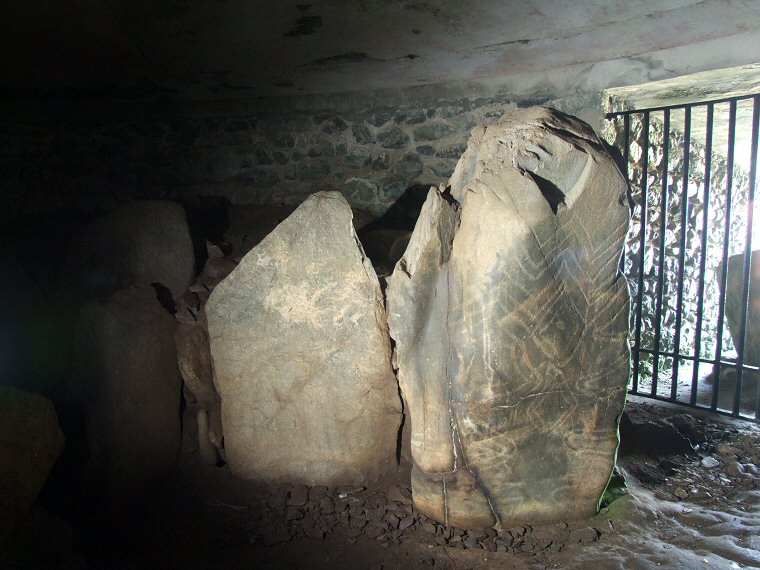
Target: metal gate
column 694, row 279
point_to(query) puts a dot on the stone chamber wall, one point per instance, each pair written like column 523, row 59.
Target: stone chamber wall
column 371, row 150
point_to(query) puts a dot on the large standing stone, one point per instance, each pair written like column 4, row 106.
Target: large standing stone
column 30, row 442
column 127, row 384
column 301, row 354
column 734, row 306
column 145, row 241
column 510, row 320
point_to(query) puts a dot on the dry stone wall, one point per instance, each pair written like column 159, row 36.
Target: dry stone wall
column 371, row 153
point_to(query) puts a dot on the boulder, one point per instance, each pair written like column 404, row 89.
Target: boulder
column 127, row 385
column 301, row 355
column 30, row 442
column 734, row 306
column 510, row 319
column 145, row 241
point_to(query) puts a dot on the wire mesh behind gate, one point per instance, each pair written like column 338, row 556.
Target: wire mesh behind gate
column 694, row 279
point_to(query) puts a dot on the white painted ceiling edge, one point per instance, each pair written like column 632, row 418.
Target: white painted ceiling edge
column 245, row 49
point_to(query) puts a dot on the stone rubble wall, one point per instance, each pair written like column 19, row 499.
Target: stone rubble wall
column 369, row 152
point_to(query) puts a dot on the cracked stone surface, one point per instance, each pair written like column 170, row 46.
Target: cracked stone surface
column 510, row 320
column 301, row 355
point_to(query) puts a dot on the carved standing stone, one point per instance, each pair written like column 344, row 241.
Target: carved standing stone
column 301, row 355
column 510, row 320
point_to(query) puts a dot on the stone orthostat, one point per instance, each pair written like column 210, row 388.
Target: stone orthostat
column 301, row 355
column 510, row 320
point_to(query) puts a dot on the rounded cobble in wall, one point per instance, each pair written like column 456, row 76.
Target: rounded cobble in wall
column 408, row 166
column 410, row 117
column 326, row 148
column 443, row 169
column 433, row 131
column 452, row 110
column 391, row 187
column 362, row 134
column 361, row 189
column 380, row 162
column 393, row 138
column 465, row 122
column 334, row 126
column 380, row 117
column 452, row 152
column 356, row 157
column 313, row 169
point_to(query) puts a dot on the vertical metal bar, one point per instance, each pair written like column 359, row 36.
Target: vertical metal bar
column 642, row 245
column 747, row 257
column 726, row 244
column 703, row 254
column 661, row 257
column 626, row 161
column 682, row 248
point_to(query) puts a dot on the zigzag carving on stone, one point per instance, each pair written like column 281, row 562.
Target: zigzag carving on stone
column 510, row 320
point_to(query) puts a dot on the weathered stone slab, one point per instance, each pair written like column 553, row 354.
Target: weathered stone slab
column 127, row 385
column 511, row 320
column 144, row 241
column 301, row 355
column 30, row 442
column 734, row 307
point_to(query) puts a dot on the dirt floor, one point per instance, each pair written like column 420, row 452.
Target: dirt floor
column 686, row 494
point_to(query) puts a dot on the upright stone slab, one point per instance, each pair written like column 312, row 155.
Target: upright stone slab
column 510, row 320
column 127, row 384
column 301, row 355
column 138, row 242
column 734, row 307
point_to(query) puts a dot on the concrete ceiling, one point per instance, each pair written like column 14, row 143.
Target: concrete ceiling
column 250, row 48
